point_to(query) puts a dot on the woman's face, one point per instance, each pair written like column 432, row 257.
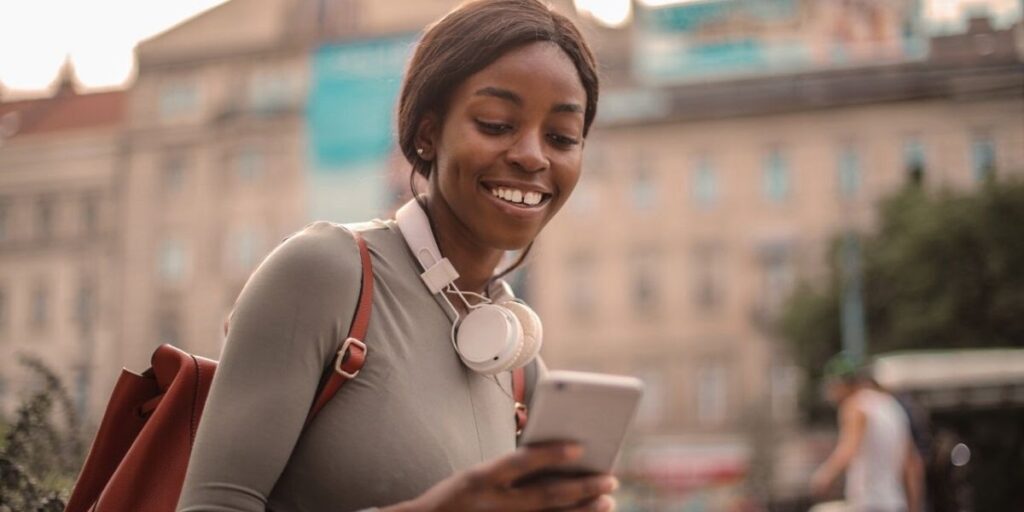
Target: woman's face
column 509, row 150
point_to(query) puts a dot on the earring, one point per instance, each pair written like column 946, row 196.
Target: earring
column 419, row 151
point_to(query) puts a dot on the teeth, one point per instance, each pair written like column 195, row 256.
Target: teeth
column 516, row 196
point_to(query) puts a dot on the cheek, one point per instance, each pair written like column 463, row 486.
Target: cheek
column 567, row 176
column 463, row 153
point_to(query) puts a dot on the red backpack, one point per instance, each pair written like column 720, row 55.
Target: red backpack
column 138, row 459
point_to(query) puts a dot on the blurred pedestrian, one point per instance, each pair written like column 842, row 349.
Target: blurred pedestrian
column 875, row 447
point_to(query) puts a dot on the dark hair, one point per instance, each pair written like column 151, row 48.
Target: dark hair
column 468, row 40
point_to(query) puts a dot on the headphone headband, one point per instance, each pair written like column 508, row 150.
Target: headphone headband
column 438, row 272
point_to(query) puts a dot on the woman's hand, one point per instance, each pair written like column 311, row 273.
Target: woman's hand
column 489, row 486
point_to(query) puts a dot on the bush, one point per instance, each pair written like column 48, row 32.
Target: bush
column 42, row 449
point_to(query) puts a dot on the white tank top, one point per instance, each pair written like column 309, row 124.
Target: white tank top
column 874, row 480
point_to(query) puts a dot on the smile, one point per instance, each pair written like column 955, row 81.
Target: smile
column 518, row 197
column 524, row 204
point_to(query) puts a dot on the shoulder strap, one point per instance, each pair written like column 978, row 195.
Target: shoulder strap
column 352, row 353
column 519, row 393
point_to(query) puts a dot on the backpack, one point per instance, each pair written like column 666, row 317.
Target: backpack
column 141, row 451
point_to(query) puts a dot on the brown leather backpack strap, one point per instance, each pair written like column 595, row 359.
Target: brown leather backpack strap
column 519, row 393
column 352, row 353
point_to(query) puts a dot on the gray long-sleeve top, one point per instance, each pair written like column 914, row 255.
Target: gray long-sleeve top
column 413, row 416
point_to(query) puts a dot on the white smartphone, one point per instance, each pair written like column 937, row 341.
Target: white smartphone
column 592, row 409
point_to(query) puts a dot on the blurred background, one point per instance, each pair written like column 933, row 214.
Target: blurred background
column 767, row 182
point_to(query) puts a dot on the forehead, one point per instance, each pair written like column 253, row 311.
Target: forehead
column 539, row 69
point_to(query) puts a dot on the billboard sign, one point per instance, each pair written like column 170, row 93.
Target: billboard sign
column 712, row 39
column 351, row 125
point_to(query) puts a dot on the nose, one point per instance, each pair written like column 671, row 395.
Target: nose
column 527, row 152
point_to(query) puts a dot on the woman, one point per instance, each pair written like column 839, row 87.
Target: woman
column 497, row 100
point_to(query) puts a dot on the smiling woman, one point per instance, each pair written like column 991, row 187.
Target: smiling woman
column 497, row 101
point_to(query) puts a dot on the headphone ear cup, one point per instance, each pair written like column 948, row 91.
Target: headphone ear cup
column 533, row 332
column 490, row 339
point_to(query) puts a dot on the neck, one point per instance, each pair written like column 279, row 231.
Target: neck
column 474, row 261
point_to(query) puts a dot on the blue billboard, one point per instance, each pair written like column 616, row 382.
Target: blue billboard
column 351, row 125
column 713, row 39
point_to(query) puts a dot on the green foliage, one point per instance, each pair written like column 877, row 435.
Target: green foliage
column 39, row 455
column 943, row 270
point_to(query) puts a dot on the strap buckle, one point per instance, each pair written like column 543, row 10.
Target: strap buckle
column 342, row 352
column 520, row 417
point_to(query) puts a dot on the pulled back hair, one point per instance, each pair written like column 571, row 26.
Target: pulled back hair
column 469, row 39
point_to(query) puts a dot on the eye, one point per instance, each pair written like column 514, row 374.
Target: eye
column 562, row 141
column 493, row 128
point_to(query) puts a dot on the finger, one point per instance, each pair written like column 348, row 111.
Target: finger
column 602, row 503
column 566, row 492
column 529, row 459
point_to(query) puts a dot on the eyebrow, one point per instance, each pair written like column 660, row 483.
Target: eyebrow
column 512, row 97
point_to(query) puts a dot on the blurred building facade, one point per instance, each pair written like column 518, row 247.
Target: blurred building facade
column 60, row 158
column 214, row 170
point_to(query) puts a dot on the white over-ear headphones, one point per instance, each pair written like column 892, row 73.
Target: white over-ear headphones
column 497, row 335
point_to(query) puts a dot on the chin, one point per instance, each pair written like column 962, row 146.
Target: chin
column 511, row 242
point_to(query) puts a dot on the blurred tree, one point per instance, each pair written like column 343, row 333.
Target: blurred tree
column 39, row 456
column 943, row 270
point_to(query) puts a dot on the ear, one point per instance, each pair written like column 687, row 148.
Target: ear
column 426, row 135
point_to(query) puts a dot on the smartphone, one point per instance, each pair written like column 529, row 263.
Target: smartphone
column 592, row 409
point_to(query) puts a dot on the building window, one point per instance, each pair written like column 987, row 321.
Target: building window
column 177, row 100
column 849, row 173
column 85, row 306
column 778, row 277
column 90, row 214
column 40, row 309
column 44, row 218
column 171, row 261
column 645, row 285
column 652, row 404
column 270, row 91
column 914, row 164
column 707, row 288
column 245, row 250
column 644, row 190
column 580, row 287
column 712, row 394
column 705, row 183
column 785, row 383
column 3, row 309
column 249, row 164
column 983, row 157
column 172, row 172
column 775, row 181
column 4, row 220
column 168, row 329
